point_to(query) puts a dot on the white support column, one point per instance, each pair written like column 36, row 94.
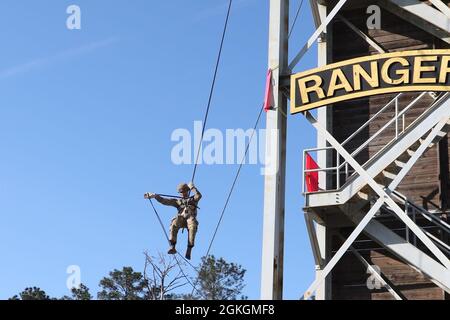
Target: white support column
column 324, row 118
column 323, row 114
column 274, row 187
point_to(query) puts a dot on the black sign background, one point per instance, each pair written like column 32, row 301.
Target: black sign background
column 366, row 90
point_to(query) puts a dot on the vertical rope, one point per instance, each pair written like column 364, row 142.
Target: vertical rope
column 219, row 56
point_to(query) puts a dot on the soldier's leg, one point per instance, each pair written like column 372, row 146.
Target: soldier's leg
column 192, row 224
column 174, row 227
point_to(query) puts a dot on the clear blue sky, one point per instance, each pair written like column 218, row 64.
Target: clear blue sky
column 85, row 124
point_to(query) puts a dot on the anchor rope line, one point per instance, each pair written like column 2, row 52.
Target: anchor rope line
column 295, row 19
column 238, row 172
column 194, row 286
column 213, row 85
column 176, row 259
column 208, row 107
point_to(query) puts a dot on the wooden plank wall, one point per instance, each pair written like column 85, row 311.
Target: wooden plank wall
column 352, row 282
column 422, row 184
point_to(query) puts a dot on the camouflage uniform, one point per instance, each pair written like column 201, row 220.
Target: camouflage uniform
column 186, row 218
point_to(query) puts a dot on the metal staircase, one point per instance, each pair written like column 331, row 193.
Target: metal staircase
column 384, row 165
column 404, row 245
column 435, row 227
column 345, row 190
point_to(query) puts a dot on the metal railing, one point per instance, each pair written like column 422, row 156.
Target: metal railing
column 399, row 122
column 414, row 211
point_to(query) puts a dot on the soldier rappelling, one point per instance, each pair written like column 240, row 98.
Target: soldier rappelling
column 187, row 207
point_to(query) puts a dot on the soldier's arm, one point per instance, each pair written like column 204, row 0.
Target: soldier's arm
column 197, row 194
column 166, row 201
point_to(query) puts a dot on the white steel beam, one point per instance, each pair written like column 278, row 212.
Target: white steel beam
column 274, row 178
column 374, row 272
column 323, row 234
column 338, row 255
column 314, row 240
column 324, row 115
column 442, row 7
column 418, row 153
column 407, row 252
column 425, row 12
column 316, row 34
column 384, row 198
column 421, row 15
column 364, row 36
column 418, row 128
column 393, row 185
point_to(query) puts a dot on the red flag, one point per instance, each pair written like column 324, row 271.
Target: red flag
column 312, row 178
column 268, row 94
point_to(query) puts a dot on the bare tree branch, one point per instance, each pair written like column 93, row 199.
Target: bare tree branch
column 163, row 281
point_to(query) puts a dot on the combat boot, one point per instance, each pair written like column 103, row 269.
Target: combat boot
column 188, row 253
column 172, row 249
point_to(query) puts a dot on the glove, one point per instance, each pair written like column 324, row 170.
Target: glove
column 149, row 196
column 191, row 185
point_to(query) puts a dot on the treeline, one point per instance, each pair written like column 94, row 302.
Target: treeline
column 163, row 278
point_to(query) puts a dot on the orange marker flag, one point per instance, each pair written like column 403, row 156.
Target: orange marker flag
column 268, row 99
column 312, row 178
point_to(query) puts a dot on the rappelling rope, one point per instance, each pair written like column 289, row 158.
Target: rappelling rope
column 211, row 92
column 194, row 286
column 241, row 164
column 176, row 259
column 295, row 19
column 213, row 84
column 231, row 189
column 200, row 144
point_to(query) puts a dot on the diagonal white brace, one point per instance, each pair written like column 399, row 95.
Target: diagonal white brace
column 442, row 7
column 419, row 152
column 313, row 239
column 361, row 34
column 316, row 34
column 384, row 193
column 384, row 198
column 422, row 11
column 343, row 249
column 374, row 272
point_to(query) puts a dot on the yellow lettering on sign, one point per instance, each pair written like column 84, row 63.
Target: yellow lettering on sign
column 359, row 73
column 445, row 69
column 394, row 72
column 403, row 73
column 419, row 68
column 305, row 90
column 338, row 76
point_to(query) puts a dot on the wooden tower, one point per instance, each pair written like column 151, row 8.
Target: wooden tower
column 376, row 187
